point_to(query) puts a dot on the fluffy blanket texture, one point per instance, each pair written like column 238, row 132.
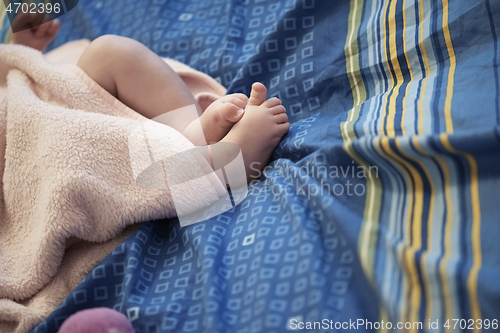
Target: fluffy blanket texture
column 68, row 195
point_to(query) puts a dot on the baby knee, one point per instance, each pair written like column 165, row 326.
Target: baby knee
column 106, row 41
column 112, row 49
column 105, row 46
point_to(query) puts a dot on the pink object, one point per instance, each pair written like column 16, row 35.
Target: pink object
column 97, row 320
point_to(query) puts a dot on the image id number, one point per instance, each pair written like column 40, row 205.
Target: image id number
column 33, row 8
column 471, row 324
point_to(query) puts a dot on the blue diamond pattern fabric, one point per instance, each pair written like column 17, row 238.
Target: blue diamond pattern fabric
column 380, row 204
column 274, row 258
column 221, row 276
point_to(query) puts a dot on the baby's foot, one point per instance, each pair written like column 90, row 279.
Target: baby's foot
column 221, row 115
column 31, row 31
column 259, row 131
column 216, row 120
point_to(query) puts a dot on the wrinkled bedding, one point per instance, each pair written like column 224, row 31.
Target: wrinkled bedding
column 381, row 203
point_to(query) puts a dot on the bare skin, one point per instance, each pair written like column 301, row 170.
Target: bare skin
column 217, row 119
column 260, row 130
column 152, row 88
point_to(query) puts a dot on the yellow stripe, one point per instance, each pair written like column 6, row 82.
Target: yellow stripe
column 416, row 243
column 384, row 28
column 449, row 129
column 425, row 275
column 347, row 132
column 451, row 72
column 384, row 317
column 447, row 239
column 350, row 41
column 476, row 230
column 398, row 75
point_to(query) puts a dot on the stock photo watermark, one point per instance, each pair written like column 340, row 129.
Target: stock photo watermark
column 157, row 169
column 324, row 176
column 154, row 168
column 364, row 324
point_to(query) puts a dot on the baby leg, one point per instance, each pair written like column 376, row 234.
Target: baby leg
column 143, row 81
column 139, row 78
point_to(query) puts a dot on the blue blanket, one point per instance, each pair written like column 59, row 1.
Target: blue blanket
column 380, row 206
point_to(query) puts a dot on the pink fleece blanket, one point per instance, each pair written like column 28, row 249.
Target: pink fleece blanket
column 68, row 196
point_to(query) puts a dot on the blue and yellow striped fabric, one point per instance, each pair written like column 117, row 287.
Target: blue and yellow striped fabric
column 424, row 77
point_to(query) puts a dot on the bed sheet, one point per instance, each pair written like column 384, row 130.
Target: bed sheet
column 380, row 204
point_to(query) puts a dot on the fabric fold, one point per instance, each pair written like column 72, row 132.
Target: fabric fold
column 68, row 191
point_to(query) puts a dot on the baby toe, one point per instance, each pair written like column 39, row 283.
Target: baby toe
column 271, row 102
column 284, row 128
column 258, row 94
column 232, row 112
column 242, row 97
column 237, row 101
column 278, row 109
column 281, row 118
